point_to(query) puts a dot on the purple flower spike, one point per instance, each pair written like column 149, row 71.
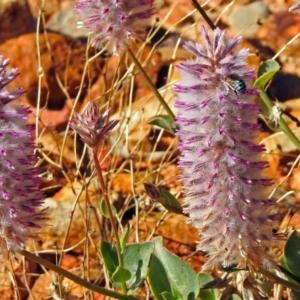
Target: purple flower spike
column 114, row 22
column 92, row 126
column 225, row 194
column 21, row 212
column 295, row 8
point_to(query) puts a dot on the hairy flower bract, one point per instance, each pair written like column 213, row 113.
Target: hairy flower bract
column 225, row 190
column 92, row 126
column 114, row 22
column 21, row 200
column 296, row 7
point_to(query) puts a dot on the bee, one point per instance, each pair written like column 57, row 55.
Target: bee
column 236, row 84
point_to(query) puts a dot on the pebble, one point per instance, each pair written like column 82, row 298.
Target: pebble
column 243, row 19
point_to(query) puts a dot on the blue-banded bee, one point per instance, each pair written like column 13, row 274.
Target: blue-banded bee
column 236, row 84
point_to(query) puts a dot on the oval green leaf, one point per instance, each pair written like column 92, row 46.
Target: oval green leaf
column 121, row 275
column 125, row 237
column 104, row 210
column 110, row 257
column 136, row 259
column 168, row 296
column 291, row 260
column 158, row 278
column 209, row 294
column 173, row 272
column 204, row 278
column 265, row 73
column 169, row 202
column 163, row 121
column 292, row 253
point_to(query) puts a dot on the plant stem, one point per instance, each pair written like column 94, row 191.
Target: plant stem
column 267, row 102
column 204, row 14
column 288, row 284
column 103, row 187
column 75, row 278
column 151, row 85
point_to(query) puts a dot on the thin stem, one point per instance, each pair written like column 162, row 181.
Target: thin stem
column 204, row 14
column 288, row 284
column 110, row 213
column 284, row 127
column 151, row 85
column 75, row 278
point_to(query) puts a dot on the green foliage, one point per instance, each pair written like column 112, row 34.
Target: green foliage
column 164, row 121
column 125, row 237
column 164, row 197
column 136, row 259
column 291, row 260
column 207, row 294
column 104, row 210
column 168, row 274
column 121, row 275
column 158, row 278
column 110, row 257
column 265, row 73
column 291, row 255
column 169, row 202
column 168, row 296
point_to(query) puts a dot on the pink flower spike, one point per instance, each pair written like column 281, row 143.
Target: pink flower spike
column 113, row 23
column 21, row 201
column 224, row 187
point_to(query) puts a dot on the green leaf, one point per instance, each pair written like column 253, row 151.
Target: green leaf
column 169, row 202
column 168, row 296
column 292, row 254
column 204, row 278
column 175, row 292
column 291, row 260
column 265, row 73
column 209, row 294
column 121, row 275
column 125, row 237
column 287, row 272
column 104, row 210
column 158, row 278
column 136, row 259
column 110, row 257
column 167, row 270
column 296, row 295
column 164, row 122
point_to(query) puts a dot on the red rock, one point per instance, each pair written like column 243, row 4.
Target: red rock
column 51, row 284
column 16, row 19
column 48, row 7
column 73, row 212
column 52, row 120
column 27, row 280
column 61, row 57
column 278, row 29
